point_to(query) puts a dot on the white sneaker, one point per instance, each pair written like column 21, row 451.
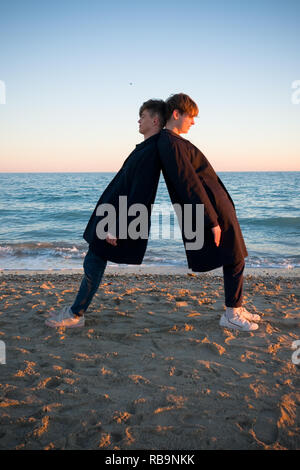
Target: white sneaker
column 249, row 316
column 56, row 313
column 237, row 322
column 65, row 318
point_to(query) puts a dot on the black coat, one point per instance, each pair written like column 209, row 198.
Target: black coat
column 190, row 179
column 138, row 180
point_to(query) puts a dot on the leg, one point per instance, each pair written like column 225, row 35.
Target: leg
column 94, row 267
column 233, row 284
column 236, row 316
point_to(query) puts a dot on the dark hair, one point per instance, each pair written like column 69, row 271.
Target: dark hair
column 183, row 103
column 155, row 107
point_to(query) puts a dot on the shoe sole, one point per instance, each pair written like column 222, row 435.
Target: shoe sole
column 234, row 326
column 49, row 323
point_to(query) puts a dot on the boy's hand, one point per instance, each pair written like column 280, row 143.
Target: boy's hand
column 111, row 239
column 217, row 234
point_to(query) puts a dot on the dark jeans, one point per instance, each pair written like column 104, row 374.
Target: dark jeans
column 233, row 284
column 94, row 267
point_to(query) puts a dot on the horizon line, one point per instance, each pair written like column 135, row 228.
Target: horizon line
column 116, row 171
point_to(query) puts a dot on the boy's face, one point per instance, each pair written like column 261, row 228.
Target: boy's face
column 147, row 122
column 184, row 122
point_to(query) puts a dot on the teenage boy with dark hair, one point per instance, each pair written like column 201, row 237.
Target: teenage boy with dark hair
column 191, row 180
column 137, row 180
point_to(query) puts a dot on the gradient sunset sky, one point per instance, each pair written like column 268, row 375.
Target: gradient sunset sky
column 76, row 73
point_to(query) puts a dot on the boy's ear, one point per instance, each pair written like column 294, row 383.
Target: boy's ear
column 175, row 114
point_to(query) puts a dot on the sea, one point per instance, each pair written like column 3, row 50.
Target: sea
column 43, row 217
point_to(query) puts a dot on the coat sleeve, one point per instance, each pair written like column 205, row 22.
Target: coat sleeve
column 181, row 176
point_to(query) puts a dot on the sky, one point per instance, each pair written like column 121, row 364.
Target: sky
column 73, row 75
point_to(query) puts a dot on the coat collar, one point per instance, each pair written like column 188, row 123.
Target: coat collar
column 167, row 131
column 148, row 141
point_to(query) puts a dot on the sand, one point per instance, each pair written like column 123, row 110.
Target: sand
column 152, row 368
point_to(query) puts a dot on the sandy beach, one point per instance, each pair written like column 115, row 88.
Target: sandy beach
column 152, row 368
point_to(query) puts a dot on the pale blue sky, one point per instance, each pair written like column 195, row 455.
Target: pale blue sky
column 68, row 68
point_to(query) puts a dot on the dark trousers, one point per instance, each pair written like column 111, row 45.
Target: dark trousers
column 233, row 284
column 94, row 267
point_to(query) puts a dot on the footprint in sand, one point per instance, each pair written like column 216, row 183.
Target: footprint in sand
column 265, row 427
column 54, row 382
column 116, row 437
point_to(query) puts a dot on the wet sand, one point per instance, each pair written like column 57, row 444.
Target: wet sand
column 152, row 368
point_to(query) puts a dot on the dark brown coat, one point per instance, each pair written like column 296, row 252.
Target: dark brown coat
column 191, row 179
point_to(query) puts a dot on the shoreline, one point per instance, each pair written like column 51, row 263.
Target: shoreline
column 153, row 270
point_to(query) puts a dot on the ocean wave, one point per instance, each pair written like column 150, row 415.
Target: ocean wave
column 36, row 249
column 61, row 255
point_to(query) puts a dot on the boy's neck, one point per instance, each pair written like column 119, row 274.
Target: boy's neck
column 171, row 126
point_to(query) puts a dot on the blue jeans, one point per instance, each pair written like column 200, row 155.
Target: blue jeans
column 94, row 267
